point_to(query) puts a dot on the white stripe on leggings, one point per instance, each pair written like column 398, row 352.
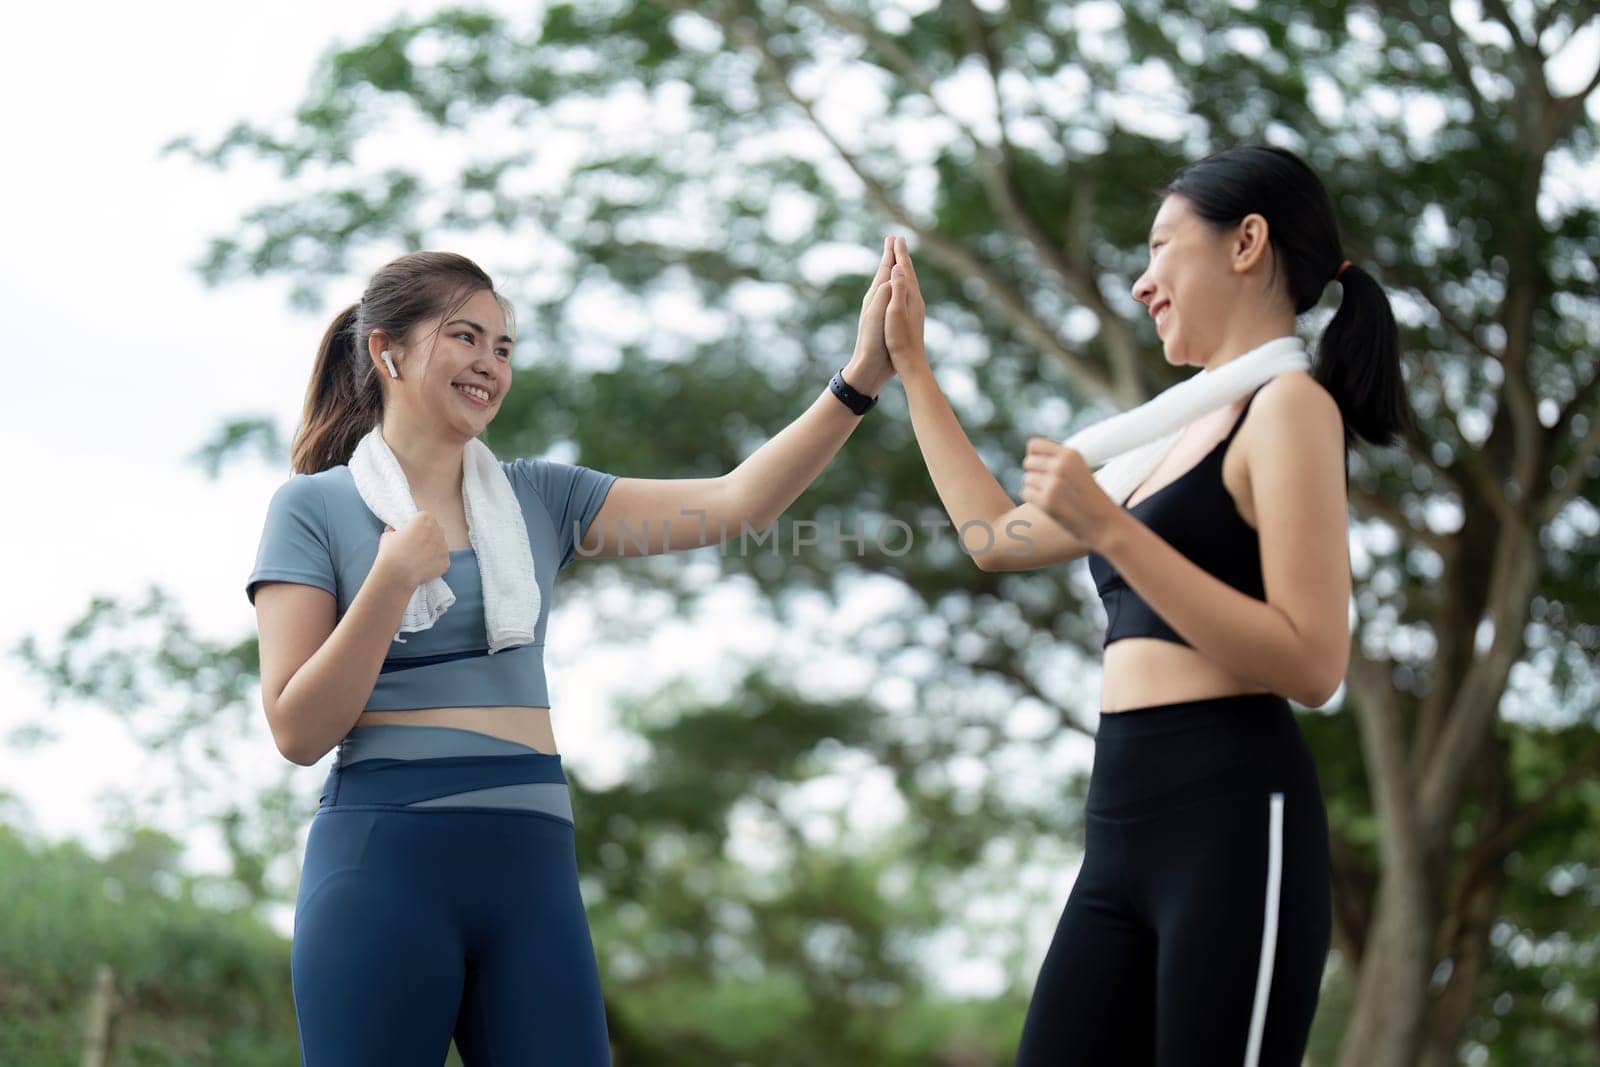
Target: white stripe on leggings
column 1269, row 930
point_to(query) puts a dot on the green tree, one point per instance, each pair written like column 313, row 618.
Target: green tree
column 1021, row 148
column 194, row 983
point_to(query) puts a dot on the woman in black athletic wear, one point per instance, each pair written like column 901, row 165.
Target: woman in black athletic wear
column 1197, row 928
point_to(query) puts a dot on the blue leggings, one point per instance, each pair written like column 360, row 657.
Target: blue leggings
column 439, row 899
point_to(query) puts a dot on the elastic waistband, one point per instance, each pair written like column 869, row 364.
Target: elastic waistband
column 1233, row 712
column 441, row 767
column 1168, row 756
column 396, row 741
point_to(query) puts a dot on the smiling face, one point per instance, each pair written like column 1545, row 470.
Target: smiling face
column 1196, row 281
column 450, row 362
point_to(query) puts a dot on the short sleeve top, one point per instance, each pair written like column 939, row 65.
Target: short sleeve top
column 319, row 532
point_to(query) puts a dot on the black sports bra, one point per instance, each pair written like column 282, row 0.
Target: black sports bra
column 1194, row 514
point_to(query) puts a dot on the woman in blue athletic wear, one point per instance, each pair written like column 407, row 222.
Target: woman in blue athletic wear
column 1197, row 928
column 439, row 895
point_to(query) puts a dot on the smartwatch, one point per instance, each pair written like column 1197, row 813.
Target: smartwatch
column 858, row 402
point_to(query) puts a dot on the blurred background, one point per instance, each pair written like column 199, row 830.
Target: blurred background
column 828, row 798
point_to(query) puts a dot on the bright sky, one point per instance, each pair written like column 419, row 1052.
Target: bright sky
column 115, row 347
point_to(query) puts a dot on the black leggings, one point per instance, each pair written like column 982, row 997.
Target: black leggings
column 1197, row 928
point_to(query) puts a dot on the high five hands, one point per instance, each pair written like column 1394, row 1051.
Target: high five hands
column 889, row 336
column 870, row 368
column 902, row 323
column 1055, row 478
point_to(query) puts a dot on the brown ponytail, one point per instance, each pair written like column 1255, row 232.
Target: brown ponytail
column 345, row 397
column 341, row 403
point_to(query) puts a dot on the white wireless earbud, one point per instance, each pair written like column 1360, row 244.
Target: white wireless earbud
column 385, row 357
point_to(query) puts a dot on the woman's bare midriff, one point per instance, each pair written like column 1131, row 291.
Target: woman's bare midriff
column 527, row 726
column 1138, row 672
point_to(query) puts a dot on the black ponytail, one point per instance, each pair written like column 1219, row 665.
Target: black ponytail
column 1358, row 361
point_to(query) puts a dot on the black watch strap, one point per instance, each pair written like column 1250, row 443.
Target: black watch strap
column 860, row 403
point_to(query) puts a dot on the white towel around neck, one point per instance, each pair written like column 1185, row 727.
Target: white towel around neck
column 1127, row 446
column 495, row 526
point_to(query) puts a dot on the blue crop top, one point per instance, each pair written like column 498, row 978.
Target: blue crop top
column 1194, row 514
column 319, row 532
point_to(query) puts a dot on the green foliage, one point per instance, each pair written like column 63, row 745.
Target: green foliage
column 197, row 985
column 1544, row 972
column 805, row 955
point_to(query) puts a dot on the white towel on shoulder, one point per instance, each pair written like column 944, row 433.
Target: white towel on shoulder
column 1131, row 443
column 495, row 526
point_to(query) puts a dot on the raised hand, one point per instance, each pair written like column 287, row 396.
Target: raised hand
column 902, row 324
column 869, row 368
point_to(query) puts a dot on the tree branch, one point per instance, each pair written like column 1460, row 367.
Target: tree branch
column 1542, row 20
column 1075, row 271
column 1527, row 435
column 1532, row 58
column 997, row 171
column 1585, row 450
column 1564, row 111
column 1375, row 505
column 1493, row 849
column 1085, row 376
column 1468, row 912
column 1422, row 287
column 1354, row 883
column 1513, row 577
column 1010, row 672
column 1472, row 460
column 1450, row 43
column 1384, row 748
column 1583, row 397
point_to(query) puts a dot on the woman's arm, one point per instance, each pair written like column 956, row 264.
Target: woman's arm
column 1297, row 641
column 316, row 672
column 1021, row 536
column 648, row 516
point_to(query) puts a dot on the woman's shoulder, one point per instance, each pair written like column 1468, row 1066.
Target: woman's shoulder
column 546, row 476
column 320, row 479
column 1294, row 401
column 301, row 489
column 1293, row 415
column 328, row 497
column 324, row 485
